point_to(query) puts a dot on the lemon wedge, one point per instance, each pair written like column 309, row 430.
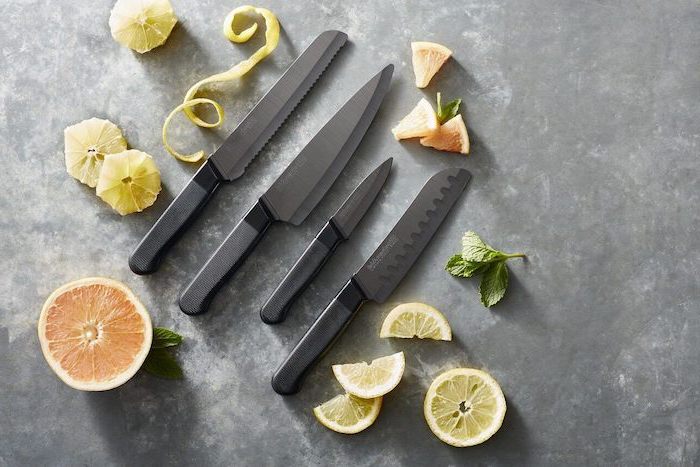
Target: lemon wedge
column 86, row 145
column 428, row 58
column 421, row 121
column 348, row 414
column 371, row 380
column 416, row 320
column 142, row 25
column 129, row 181
column 452, row 136
column 464, row 407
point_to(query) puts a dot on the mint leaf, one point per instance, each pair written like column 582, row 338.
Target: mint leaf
column 160, row 363
column 474, row 249
column 458, row 266
column 165, row 338
column 449, row 111
column 494, row 283
column 478, row 257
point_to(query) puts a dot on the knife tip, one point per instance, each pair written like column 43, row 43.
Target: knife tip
column 338, row 34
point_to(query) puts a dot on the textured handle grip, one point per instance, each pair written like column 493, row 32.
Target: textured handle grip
column 195, row 298
column 147, row 256
column 302, row 273
column 318, row 339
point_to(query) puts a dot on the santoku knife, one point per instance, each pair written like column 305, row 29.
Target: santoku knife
column 295, row 193
column 337, row 229
column 230, row 160
column 378, row 277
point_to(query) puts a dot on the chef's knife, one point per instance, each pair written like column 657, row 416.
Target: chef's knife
column 337, row 229
column 378, row 277
column 295, row 193
column 230, row 160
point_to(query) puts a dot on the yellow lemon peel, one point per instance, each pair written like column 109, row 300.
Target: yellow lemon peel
column 272, row 36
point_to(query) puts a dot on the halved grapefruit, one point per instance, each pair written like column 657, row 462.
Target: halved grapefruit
column 451, row 136
column 94, row 333
column 428, row 58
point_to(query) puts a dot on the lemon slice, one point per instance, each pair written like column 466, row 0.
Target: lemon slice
column 142, row 25
column 452, row 136
column 129, row 181
column 348, row 414
column 428, row 58
column 464, row 407
column 416, row 320
column 421, row 121
column 86, row 145
column 371, row 380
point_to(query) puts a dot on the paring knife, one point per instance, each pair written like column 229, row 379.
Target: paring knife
column 230, row 160
column 337, row 229
column 378, row 277
column 295, row 193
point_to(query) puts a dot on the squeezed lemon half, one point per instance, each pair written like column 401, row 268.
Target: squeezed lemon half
column 464, row 407
column 86, row 145
column 142, row 25
column 129, row 181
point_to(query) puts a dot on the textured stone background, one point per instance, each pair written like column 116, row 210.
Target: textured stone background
column 584, row 124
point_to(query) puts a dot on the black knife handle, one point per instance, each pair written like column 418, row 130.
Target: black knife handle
column 318, row 339
column 302, row 273
column 147, row 256
column 195, row 298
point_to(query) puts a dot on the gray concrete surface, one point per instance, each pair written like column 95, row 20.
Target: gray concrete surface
column 584, row 124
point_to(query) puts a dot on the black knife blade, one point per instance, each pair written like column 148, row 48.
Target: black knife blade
column 378, row 277
column 337, row 229
column 295, row 193
column 230, row 160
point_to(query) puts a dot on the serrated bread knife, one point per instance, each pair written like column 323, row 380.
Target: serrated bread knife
column 230, row 160
column 337, row 229
column 295, row 193
column 378, row 277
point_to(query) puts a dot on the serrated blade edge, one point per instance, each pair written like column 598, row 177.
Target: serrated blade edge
column 271, row 111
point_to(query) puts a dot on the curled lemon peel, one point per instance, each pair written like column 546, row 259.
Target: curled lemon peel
column 272, row 36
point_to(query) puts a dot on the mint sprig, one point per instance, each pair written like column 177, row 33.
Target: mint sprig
column 478, row 257
column 448, row 111
column 160, row 361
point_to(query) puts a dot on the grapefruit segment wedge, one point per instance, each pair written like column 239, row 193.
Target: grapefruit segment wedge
column 428, row 58
column 94, row 333
column 452, row 136
column 421, row 121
